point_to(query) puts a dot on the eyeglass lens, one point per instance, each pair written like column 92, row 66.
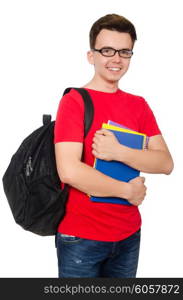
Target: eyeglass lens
column 111, row 52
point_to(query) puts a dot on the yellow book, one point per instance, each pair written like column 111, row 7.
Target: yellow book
column 112, row 127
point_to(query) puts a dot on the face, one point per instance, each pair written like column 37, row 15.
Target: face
column 110, row 69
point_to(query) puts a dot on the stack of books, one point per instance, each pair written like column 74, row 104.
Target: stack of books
column 116, row 169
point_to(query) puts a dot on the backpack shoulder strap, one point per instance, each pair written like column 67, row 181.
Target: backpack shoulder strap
column 46, row 119
column 89, row 109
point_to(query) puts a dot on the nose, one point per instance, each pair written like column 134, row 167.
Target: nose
column 116, row 57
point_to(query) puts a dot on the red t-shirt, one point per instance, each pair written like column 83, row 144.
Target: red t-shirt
column 84, row 218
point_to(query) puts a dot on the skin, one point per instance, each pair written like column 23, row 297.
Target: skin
column 156, row 159
column 105, row 79
column 105, row 145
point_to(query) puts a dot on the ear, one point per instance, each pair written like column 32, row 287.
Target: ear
column 90, row 57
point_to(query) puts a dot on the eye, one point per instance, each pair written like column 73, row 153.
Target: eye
column 125, row 52
column 107, row 51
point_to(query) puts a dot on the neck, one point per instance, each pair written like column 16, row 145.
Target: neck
column 103, row 86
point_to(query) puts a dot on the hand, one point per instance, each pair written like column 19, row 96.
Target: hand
column 105, row 145
column 138, row 191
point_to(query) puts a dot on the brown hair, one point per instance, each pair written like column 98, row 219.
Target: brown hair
column 112, row 22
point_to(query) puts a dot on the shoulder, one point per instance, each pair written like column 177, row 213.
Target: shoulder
column 72, row 101
column 136, row 102
column 73, row 96
column 133, row 97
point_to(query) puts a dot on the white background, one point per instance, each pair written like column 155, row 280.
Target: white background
column 43, row 51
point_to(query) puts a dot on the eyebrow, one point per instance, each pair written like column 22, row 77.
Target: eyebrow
column 115, row 49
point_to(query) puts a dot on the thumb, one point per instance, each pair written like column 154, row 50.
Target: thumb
column 142, row 178
column 103, row 131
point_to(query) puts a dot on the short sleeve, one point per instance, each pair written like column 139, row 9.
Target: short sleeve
column 148, row 123
column 69, row 123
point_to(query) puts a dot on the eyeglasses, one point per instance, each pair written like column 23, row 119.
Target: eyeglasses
column 109, row 52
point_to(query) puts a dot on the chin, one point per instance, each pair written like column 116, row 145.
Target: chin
column 113, row 79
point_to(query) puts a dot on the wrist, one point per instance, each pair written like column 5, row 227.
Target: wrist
column 121, row 153
column 125, row 190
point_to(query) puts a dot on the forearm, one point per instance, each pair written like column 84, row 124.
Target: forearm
column 92, row 182
column 148, row 161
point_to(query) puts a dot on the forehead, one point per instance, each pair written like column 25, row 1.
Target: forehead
column 114, row 39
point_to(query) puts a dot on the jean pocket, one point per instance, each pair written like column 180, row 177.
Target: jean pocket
column 66, row 238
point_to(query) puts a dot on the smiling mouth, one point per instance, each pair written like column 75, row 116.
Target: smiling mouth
column 114, row 69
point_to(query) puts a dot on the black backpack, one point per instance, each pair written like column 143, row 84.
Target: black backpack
column 31, row 182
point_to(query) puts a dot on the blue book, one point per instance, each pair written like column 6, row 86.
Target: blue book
column 122, row 126
column 116, row 169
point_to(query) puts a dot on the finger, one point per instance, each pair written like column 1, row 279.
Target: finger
column 94, row 152
column 143, row 179
column 104, row 131
column 94, row 146
column 96, row 139
column 97, row 155
column 136, row 180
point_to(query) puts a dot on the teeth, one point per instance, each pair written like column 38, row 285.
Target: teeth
column 115, row 69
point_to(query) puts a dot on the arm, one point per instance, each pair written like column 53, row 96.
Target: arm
column 156, row 159
column 90, row 181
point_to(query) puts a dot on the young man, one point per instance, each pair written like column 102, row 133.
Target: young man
column 102, row 239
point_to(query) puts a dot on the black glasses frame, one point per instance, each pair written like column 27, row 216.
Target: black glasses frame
column 130, row 52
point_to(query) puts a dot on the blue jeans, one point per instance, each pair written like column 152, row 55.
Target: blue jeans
column 79, row 257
